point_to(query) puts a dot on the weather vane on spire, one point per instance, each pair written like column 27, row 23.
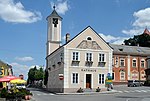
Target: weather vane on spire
column 54, row 7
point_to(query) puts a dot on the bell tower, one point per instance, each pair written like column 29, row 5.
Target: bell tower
column 53, row 31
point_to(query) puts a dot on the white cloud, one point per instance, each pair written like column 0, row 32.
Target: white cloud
column 142, row 20
column 113, row 39
column 20, row 69
column 15, row 12
column 61, row 6
column 135, row 31
column 24, row 59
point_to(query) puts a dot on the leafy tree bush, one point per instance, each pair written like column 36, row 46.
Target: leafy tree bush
column 142, row 40
column 35, row 74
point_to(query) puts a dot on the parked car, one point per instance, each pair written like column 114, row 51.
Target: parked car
column 134, row 83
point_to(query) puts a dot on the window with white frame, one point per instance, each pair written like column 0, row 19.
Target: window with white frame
column 75, row 77
column 112, row 61
column 134, row 63
column 101, row 78
column 116, row 61
column 101, row 57
column 88, row 56
column 142, row 63
column 75, row 56
column 122, row 62
column 122, row 75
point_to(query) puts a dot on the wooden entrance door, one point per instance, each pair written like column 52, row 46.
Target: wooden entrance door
column 88, row 80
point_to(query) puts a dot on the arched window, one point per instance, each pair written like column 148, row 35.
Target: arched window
column 89, row 38
column 142, row 63
column 122, row 75
column 134, row 63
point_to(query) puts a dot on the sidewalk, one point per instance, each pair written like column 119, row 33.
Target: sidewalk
column 89, row 93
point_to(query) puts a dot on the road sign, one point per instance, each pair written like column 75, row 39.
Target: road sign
column 61, row 76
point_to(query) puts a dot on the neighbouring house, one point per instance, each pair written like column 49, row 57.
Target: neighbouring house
column 129, row 63
column 83, row 61
column 5, row 69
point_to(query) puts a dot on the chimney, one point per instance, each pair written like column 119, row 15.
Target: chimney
column 67, row 37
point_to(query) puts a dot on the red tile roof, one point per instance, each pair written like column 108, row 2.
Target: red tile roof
column 146, row 31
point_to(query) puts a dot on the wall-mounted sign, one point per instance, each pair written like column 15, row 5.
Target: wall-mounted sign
column 88, row 70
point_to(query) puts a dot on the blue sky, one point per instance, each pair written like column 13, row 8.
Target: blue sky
column 23, row 25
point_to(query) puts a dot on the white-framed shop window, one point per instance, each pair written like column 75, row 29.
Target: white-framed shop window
column 101, row 79
column 75, row 78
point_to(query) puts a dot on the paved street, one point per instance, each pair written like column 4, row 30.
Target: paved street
column 124, row 94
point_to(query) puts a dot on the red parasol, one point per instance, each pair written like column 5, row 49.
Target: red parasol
column 7, row 78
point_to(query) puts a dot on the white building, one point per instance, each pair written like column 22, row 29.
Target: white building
column 84, row 61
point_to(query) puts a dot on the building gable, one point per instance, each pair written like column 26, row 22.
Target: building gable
column 88, row 39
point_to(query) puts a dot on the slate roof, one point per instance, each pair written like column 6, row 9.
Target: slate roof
column 132, row 50
column 54, row 14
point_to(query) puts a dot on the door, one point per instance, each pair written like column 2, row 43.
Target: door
column 88, row 80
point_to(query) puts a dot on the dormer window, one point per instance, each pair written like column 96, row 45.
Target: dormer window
column 120, row 49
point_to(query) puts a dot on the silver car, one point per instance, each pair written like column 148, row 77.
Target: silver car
column 134, row 83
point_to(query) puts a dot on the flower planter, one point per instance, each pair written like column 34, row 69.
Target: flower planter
column 27, row 97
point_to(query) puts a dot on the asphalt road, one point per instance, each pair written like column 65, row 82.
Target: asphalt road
column 123, row 93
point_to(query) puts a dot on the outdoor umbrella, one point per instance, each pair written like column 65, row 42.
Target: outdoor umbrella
column 7, row 78
column 18, row 81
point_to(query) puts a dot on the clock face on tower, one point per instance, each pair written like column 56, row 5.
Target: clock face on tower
column 55, row 22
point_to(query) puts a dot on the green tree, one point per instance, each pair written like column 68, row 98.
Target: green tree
column 45, row 77
column 31, row 74
column 35, row 74
column 142, row 40
column 39, row 74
